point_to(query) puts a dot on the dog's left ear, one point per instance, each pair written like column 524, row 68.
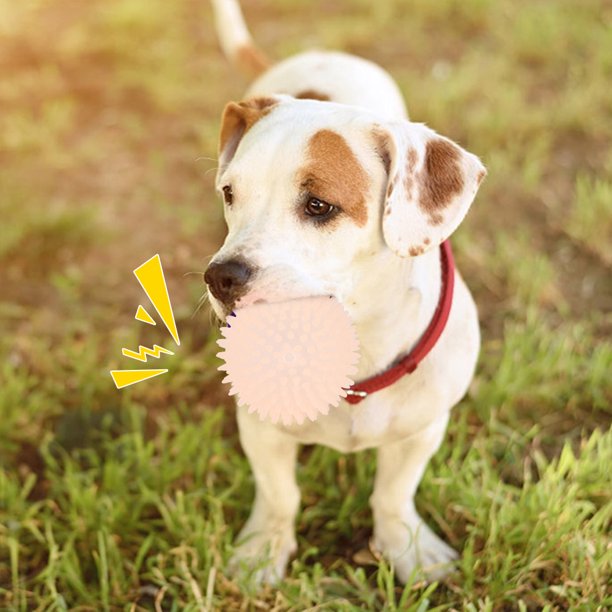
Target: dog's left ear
column 237, row 120
column 431, row 184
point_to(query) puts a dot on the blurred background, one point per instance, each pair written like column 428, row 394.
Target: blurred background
column 109, row 115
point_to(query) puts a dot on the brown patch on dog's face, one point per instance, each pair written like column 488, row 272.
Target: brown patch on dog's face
column 238, row 118
column 441, row 179
column 334, row 174
column 312, row 94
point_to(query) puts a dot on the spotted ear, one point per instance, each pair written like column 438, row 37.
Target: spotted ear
column 237, row 120
column 431, row 184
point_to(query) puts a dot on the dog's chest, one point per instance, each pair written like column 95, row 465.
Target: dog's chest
column 394, row 413
column 346, row 428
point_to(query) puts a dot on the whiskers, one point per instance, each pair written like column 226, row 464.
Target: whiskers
column 213, row 319
column 212, row 159
column 204, row 298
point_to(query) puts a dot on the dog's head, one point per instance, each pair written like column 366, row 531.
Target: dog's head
column 315, row 191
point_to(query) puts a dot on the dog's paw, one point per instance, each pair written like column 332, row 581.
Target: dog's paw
column 262, row 555
column 411, row 545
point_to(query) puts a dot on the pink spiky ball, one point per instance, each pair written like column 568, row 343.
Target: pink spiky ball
column 291, row 360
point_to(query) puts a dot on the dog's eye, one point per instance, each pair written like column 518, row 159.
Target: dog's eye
column 317, row 208
column 228, row 195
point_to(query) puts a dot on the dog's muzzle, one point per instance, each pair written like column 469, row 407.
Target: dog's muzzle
column 228, row 280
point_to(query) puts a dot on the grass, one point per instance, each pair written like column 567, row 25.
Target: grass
column 130, row 500
column 590, row 219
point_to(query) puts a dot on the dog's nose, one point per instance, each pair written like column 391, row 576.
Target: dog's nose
column 227, row 280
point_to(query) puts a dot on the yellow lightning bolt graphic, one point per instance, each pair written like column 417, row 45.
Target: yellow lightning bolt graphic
column 144, row 316
column 151, row 276
column 125, row 378
column 143, row 351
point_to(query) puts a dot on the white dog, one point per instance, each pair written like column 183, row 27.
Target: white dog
column 330, row 190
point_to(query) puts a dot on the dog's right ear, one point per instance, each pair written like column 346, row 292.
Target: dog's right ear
column 237, row 119
column 431, row 184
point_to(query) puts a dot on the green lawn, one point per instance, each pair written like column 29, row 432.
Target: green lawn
column 129, row 500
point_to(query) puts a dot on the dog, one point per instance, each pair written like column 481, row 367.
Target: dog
column 329, row 189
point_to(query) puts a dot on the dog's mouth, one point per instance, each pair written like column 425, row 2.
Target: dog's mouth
column 258, row 297
column 275, row 299
column 267, row 299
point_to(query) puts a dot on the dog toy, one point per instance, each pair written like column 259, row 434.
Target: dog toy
column 289, row 360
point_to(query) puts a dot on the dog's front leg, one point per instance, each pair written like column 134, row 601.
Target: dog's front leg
column 268, row 538
column 399, row 532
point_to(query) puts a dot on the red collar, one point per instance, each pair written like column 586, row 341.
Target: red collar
column 408, row 364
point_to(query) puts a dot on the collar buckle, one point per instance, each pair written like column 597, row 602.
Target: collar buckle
column 357, row 393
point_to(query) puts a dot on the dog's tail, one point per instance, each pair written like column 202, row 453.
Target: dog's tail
column 235, row 40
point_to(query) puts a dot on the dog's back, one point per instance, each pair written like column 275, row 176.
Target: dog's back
column 320, row 75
